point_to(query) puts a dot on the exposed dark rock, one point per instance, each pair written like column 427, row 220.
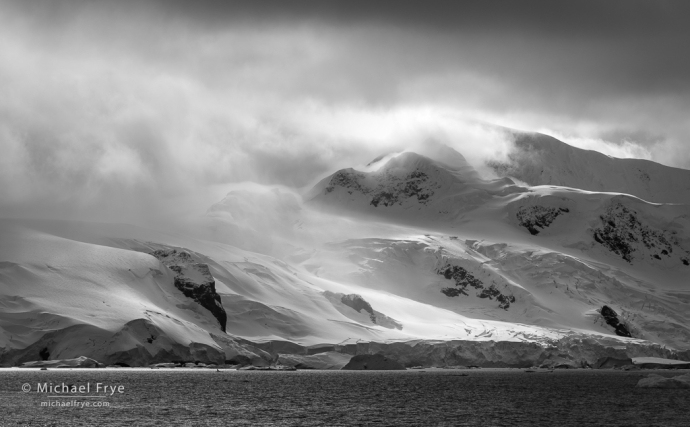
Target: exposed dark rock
column 203, row 293
column 611, row 318
column 373, row 362
column 45, row 354
column 361, row 306
column 358, row 304
column 349, row 179
column 490, row 292
column 409, row 186
column 390, row 189
column 532, row 217
column 623, row 233
column 454, row 292
column 463, row 278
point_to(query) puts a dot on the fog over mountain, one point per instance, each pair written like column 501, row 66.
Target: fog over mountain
column 479, row 183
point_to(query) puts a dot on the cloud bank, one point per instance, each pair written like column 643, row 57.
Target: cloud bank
column 125, row 110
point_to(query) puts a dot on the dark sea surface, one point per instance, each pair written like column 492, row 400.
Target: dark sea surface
column 342, row 398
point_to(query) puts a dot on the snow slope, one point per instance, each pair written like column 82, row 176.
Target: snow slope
column 118, row 304
column 543, row 160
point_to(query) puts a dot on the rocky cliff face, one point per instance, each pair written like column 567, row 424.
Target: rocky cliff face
column 195, row 281
column 408, row 178
column 463, row 279
column 623, row 232
column 612, row 320
column 357, row 308
column 536, row 218
column 358, row 304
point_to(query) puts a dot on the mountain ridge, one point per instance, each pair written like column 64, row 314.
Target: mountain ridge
column 539, row 159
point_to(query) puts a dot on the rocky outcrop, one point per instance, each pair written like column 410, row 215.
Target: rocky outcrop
column 194, row 280
column 536, row 218
column 390, row 189
column 408, row 179
column 463, row 279
column 611, row 318
column 358, row 303
column 363, row 311
column 623, row 233
column 411, row 185
column 349, row 179
column 373, row 362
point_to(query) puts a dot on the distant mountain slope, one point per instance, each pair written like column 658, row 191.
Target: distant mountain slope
column 416, row 190
column 510, row 282
column 412, row 186
column 543, row 160
column 574, row 251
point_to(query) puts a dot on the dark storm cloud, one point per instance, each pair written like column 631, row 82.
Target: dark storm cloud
column 599, row 47
column 131, row 102
column 573, row 58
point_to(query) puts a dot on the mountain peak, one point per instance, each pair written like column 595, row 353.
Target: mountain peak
column 539, row 159
column 410, row 182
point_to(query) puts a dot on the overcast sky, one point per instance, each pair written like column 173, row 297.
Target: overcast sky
column 113, row 107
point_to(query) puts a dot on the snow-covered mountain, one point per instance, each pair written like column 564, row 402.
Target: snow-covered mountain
column 419, row 258
column 539, row 159
column 542, row 255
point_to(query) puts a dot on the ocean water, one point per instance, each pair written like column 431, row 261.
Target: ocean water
column 342, row 398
